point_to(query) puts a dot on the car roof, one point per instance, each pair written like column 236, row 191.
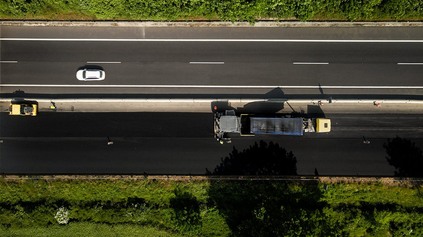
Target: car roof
column 92, row 73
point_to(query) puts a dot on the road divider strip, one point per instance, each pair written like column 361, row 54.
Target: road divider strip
column 215, row 86
column 218, row 40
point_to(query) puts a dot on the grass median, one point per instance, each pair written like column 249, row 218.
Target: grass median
column 234, row 10
column 113, row 207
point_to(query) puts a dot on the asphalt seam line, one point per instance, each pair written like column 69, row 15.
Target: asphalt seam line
column 215, row 86
column 210, row 100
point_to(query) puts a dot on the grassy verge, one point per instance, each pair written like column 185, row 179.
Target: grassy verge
column 207, row 208
column 234, row 10
column 86, row 229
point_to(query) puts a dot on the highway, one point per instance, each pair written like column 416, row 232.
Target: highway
column 213, row 62
column 183, row 143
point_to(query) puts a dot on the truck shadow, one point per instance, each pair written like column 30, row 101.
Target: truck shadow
column 273, row 103
column 220, row 106
column 315, row 111
column 257, row 107
column 19, row 99
column 261, row 107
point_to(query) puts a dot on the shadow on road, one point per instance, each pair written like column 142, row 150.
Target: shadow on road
column 90, row 66
column 259, row 159
column 405, row 156
column 315, row 111
column 276, row 93
column 261, row 107
column 221, row 106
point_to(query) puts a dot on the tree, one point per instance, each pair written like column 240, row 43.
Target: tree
column 264, row 208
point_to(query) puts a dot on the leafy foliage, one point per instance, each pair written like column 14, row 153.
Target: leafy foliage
column 227, row 10
column 209, row 208
column 31, row 203
column 260, row 208
column 186, row 208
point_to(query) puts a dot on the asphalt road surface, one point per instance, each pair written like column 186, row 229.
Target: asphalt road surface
column 213, row 61
column 248, row 62
column 182, row 143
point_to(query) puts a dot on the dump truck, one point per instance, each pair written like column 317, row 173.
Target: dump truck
column 228, row 122
column 23, row 109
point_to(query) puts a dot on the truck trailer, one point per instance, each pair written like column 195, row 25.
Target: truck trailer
column 228, row 122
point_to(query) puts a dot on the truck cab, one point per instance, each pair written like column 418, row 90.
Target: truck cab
column 23, row 109
column 323, row 125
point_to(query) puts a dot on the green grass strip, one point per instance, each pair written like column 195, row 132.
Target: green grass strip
column 122, row 207
column 86, row 229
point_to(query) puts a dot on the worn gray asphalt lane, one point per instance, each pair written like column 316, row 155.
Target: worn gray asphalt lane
column 245, row 63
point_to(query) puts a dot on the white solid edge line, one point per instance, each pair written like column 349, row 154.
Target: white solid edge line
column 101, row 62
column 310, row 63
column 246, row 100
column 214, row 40
column 206, row 62
column 216, row 86
column 8, row 61
column 410, row 63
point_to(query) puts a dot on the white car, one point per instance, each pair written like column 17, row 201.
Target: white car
column 90, row 74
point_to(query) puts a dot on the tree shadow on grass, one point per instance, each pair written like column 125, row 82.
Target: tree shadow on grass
column 186, row 209
column 264, row 208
